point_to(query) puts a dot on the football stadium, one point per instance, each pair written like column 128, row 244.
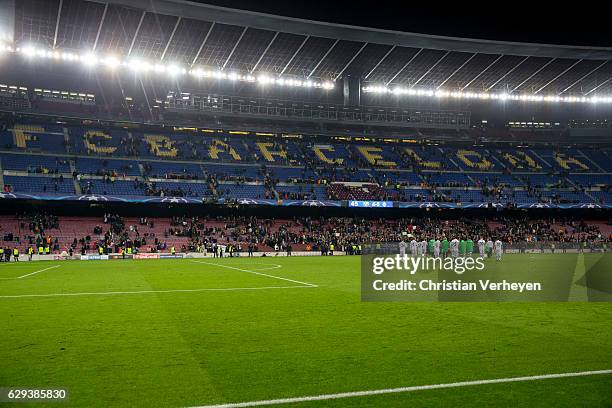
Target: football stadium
column 204, row 206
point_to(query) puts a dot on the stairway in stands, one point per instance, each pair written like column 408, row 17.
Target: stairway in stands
column 1, row 177
column 77, row 185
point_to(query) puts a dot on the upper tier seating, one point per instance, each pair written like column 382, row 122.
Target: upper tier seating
column 31, row 184
column 35, row 163
column 117, row 161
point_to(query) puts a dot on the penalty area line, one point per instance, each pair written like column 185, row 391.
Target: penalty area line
column 257, row 273
column 33, row 273
column 140, row 292
column 325, row 397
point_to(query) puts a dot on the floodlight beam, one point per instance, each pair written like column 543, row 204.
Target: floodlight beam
column 142, row 17
column 532, row 75
column 178, row 21
column 430, row 69
column 57, row 22
column 482, row 72
column 457, row 70
column 598, row 86
column 234, row 48
column 350, row 61
column 557, row 77
column 264, row 53
column 380, row 62
column 584, row 76
column 294, row 55
column 100, row 27
column 404, row 66
column 197, row 56
column 507, row 73
column 322, row 59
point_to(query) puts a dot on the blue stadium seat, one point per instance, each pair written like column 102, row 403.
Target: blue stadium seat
column 38, row 184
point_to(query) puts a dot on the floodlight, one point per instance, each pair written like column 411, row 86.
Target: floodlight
column 175, row 70
column 111, row 61
column 90, row 59
column 264, row 79
column 138, row 66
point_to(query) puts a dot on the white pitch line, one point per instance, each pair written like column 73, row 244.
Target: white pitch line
column 257, row 273
column 325, row 397
column 138, row 292
column 272, row 266
column 39, row 271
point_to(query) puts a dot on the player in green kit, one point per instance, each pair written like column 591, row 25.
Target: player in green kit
column 462, row 245
column 430, row 246
column 444, row 247
column 469, row 247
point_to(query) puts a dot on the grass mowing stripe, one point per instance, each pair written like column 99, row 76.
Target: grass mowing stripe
column 256, row 273
column 138, row 292
column 353, row 394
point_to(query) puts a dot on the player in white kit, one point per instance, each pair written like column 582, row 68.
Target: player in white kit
column 413, row 247
column 454, row 248
column 481, row 247
column 498, row 250
column 402, row 247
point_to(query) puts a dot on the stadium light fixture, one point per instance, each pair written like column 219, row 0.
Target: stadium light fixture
column 175, row 70
column 111, row 61
column 159, row 68
column 28, row 51
column 265, row 79
column 138, row 65
column 90, row 59
column 67, row 56
column 446, row 94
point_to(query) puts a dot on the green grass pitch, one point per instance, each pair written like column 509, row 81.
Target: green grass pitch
column 180, row 333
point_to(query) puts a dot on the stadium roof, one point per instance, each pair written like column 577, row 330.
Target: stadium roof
column 202, row 35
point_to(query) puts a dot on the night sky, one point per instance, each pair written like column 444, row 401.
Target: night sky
column 565, row 23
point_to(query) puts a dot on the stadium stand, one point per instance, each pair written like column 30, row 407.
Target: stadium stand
column 110, row 161
column 35, row 184
column 199, row 234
